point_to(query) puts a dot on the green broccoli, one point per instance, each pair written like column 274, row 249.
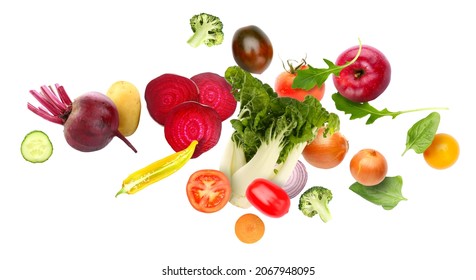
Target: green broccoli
column 314, row 201
column 207, row 30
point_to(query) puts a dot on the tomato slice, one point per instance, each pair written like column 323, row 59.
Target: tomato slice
column 208, row 190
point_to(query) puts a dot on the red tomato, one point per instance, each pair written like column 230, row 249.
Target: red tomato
column 269, row 198
column 283, row 86
column 208, row 190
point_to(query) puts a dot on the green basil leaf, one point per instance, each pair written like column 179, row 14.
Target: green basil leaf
column 386, row 194
column 421, row 134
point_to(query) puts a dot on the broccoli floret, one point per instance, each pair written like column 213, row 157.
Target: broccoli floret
column 207, row 30
column 314, row 201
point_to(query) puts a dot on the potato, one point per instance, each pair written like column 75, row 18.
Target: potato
column 126, row 97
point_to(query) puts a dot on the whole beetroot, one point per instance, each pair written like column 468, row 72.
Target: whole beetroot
column 90, row 122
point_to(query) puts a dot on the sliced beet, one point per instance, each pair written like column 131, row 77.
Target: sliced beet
column 192, row 121
column 165, row 92
column 215, row 91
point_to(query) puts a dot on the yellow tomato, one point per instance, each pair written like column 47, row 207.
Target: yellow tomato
column 443, row 151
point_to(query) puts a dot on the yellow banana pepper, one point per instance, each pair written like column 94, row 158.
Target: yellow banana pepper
column 157, row 171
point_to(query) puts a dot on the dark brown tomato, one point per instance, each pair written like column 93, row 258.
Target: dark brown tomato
column 252, row 49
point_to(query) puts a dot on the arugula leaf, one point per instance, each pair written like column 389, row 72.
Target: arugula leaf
column 310, row 77
column 360, row 109
column 421, row 134
column 386, row 194
column 363, row 109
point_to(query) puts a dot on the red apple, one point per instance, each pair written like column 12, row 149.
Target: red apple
column 366, row 78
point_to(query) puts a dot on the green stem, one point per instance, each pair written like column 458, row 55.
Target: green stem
column 355, row 57
column 121, row 191
column 196, row 39
column 418, row 110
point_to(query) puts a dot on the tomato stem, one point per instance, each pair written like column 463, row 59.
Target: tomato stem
column 291, row 69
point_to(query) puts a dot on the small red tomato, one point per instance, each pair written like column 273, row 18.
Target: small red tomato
column 269, row 198
column 284, row 81
column 208, row 190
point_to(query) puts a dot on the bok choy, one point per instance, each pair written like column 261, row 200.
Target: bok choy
column 270, row 133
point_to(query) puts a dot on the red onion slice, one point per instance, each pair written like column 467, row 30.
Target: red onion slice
column 297, row 181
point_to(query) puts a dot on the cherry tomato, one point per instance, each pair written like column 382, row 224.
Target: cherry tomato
column 326, row 152
column 284, row 81
column 208, row 190
column 443, row 151
column 269, row 198
column 252, row 49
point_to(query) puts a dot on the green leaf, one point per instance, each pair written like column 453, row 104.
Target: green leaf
column 310, row 77
column 386, row 194
column 264, row 117
column 359, row 110
column 421, row 134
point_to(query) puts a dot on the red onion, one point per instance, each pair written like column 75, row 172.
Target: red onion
column 297, row 181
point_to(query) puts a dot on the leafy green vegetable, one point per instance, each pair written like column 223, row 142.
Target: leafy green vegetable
column 386, row 194
column 361, row 109
column 421, row 134
column 310, row 77
column 270, row 133
column 264, row 116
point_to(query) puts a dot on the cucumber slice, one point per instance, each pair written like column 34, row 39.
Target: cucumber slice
column 36, row 147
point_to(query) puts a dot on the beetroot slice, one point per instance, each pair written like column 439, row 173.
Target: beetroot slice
column 215, row 91
column 165, row 92
column 192, row 121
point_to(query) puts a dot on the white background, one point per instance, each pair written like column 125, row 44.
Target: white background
column 60, row 219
